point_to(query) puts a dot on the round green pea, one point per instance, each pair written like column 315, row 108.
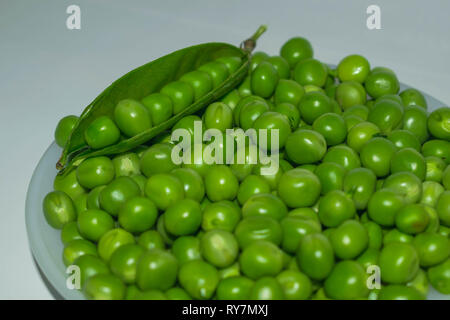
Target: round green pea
column 58, row 209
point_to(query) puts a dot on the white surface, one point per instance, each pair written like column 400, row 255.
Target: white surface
column 47, row 71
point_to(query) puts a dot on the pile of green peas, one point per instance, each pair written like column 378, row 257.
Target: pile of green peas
column 363, row 181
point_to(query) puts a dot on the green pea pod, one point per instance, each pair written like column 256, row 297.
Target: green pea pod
column 148, row 79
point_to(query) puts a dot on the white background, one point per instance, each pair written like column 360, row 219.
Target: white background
column 47, row 71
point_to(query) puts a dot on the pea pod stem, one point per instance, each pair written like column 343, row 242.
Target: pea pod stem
column 250, row 44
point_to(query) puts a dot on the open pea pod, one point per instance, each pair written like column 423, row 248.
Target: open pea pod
column 148, row 79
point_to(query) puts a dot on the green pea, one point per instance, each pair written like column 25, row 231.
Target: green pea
column 315, row 256
column 64, row 130
column 394, row 235
column 104, row 287
column 176, row 293
column 305, row 213
column 161, row 229
column 412, row 218
column 413, row 97
column 250, row 186
column 151, row 295
column 264, row 79
column 132, row 117
column 399, row 292
column 386, row 115
column 351, row 120
column 93, row 224
column 295, row 50
column 183, row 217
column 332, row 127
column 440, row 277
column 94, row 172
column 256, row 228
column 164, row 190
column 261, row 258
column 369, row 258
column 399, row 263
column 294, row 230
column 380, row 82
column 434, row 168
column 127, row 164
column 111, row 241
column 186, row 248
column 288, row 91
column 193, row 183
column 432, row 248
column 93, row 198
column 220, row 183
column 433, row 225
column 232, row 99
column 234, row 288
column 353, row 68
column 124, row 262
column 77, row 248
column 200, row 81
column 437, row 148
column 68, row 184
column 269, row 121
column 310, row 72
column 349, row 94
column 376, row 155
column 347, row 281
column 299, row 188
column 349, row 239
column 344, row 156
column 156, row 269
column 222, row 215
column 375, row 234
column 443, row 208
column 331, row 176
column 157, row 159
column 404, row 139
column 415, row 121
column 406, row 184
column 290, row 112
column 90, row 266
column 245, row 89
column 247, row 100
column 138, row 214
column 314, row 104
column 360, row 133
column 305, row 146
column 360, row 183
column 181, row 94
column 446, row 178
column 199, row 279
column 264, row 204
column 295, row 285
column 217, row 70
column 70, row 232
column 281, row 65
column 58, row 209
column 420, row 283
column 439, row 123
column 101, row 132
column 115, row 194
column 358, row 110
column 151, row 239
column 80, row 203
column 335, row 207
column 250, row 112
column 409, row 160
column 159, row 106
column 219, row 116
column 383, row 205
column 219, row 248
column 267, row 288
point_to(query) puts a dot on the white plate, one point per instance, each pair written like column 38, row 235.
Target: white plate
column 45, row 241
